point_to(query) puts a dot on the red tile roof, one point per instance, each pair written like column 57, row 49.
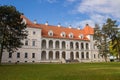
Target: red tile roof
column 58, row 30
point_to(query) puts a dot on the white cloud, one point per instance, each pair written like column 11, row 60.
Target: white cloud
column 107, row 7
column 99, row 10
column 80, row 24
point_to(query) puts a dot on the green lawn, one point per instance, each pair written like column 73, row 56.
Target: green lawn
column 81, row 71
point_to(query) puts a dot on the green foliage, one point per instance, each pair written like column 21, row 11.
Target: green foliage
column 82, row 71
column 12, row 29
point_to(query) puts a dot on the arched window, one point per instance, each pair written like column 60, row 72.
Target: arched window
column 71, row 45
column 63, row 45
column 71, row 35
column 50, row 55
column 50, row 33
column 77, row 45
column 87, row 55
column 82, row 46
column 63, row 34
column 43, row 43
column 57, row 55
column 43, row 55
column 50, row 44
column 87, row 46
column 82, row 55
column 57, row 44
column 77, row 54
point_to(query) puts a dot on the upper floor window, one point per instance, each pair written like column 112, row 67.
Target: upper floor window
column 10, row 55
column 50, row 33
column 18, row 55
column 33, row 43
column 71, row 35
column 26, row 43
column 34, row 32
column 26, row 55
column 63, row 34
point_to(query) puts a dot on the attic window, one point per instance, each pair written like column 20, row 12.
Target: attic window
column 71, row 35
column 81, row 36
column 63, row 34
column 50, row 33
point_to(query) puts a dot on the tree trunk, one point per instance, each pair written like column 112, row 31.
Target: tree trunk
column 105, row 57
column 1, row 52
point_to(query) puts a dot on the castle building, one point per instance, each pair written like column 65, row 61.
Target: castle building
column 47, row 43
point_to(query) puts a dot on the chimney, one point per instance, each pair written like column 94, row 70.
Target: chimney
column 87, row 24
column 78, row 28
column 59, row 25
column 46, row 23
column 35, row 22
column 69, row 27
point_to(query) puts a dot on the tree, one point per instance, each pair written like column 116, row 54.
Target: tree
column 12, row 29
column 108, row 32
column 101, row 41
column 116, row 44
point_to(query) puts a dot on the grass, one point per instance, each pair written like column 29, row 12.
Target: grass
column 81, row 71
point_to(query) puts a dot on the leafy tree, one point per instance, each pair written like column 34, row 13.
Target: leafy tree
column 108, row 32
column 12, row 29
column 101, row 41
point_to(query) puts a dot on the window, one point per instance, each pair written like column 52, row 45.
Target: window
column 63, row 34
column 81, row 36
column 50, row 33
column 26, row 55
column 33, row 55
column 33, row 43
column 10, row 55
column 94, row 56
column 26, row 43
column 18, row 55
column 87, row 46
column 34, row 32
column 71, row 35
column 87, row 55
column 82, row 55
column 82, row 46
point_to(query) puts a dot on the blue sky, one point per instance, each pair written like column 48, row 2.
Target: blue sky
column 76, row 13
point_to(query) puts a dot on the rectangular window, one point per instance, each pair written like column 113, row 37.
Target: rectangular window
column 33, row 55
column 26, row 43
column 26, row 55
column 34, row 33
column 10, row 55
column 33, row 43
column 18, row 55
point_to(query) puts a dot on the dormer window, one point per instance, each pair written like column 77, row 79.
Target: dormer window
column 81, row 36
column 50, row 33
column 71, row 35
column 63, row 34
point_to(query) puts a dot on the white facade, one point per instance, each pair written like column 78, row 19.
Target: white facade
column 38, row 48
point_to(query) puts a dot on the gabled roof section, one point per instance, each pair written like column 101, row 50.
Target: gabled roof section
column 29, row 23
column 88, row 30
